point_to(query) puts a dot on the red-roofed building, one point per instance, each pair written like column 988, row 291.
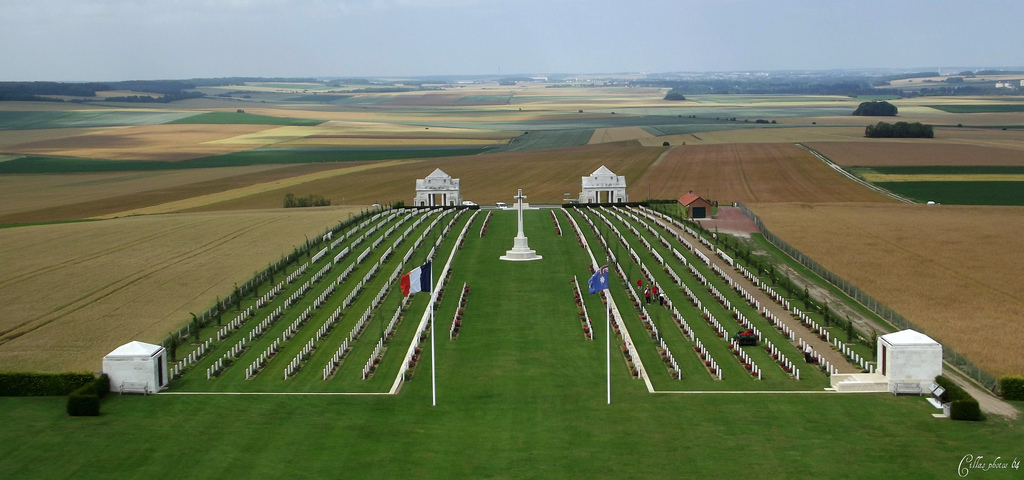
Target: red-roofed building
column 696, row 207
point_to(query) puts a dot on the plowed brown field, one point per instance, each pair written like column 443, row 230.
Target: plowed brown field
column 47, row 198
column 71, row 293
column 869, row 154
column 954, row 271
column 750, row 173
column 544, row 175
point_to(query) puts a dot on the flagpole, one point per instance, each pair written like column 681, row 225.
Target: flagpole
column 608, row 346
column 433, row 352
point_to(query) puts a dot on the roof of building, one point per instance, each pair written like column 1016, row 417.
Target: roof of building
column 908, row 337
column 690, row 198
column 602, row 171
column 438, row 173
column 135, row 349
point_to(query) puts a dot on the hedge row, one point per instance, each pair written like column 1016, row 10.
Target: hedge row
column 28, row 384
column 962, row 405
column 85, row 401
column 1011, row 387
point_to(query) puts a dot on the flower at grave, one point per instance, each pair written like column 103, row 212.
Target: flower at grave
column 720, row 335
column 708, row 364
column 636, row 373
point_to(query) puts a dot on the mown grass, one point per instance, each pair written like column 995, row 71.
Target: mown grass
column 960, row 193
column 235, row 118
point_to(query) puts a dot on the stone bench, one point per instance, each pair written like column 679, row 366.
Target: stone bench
column 906, row 389
column 134, row 387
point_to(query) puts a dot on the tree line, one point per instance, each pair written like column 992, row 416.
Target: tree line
column 899, row 130
column 312, row 200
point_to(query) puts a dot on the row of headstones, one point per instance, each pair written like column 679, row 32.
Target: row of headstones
column 780, row 357
column 487, row 221
column 670, row 361
column 742, row 320
column 296, row 364
column 231, row 354
column 265, row 324
column 558, row 227
column 336, row 359
column 267, row 297
column 324, row 295
column 396, row 318
column 342, row 254
column 362, row 256
column 376, row 243
column 818, row 359
column 320, row 273
column 779, row 298
column 681, row 322
column 812, row 325
column 722, row 299
column 326, row 328
column 588, row 327
column 371, row 364
column 851, row 355
column 257, row 365
column 745, row 359
column 709, row 361
column 725, row 256
column 453, row 331
column 296, row 325
column 294, row 297
column 319, row 255
column 297, row 273
column 749, row 297
column 235, row 324
column 191, row 358
column 788, row 332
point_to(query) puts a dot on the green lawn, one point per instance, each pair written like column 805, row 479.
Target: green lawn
column 30, row 120
column 960, row 193
column 521, row 393
column 245, row 119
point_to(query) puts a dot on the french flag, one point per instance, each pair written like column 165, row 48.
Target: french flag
column 416, row 281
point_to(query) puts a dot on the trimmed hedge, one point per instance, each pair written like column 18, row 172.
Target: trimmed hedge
column 30, row 384
column 962, row 405
column 1011, row 387
column 85, row 401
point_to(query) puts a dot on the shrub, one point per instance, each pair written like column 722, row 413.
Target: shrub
column 30, row 384
column 962, row 405
column 1011, row 387
column 81, row 404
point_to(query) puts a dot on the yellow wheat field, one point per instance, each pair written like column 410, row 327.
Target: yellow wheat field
column 70, row 293
column 952, row 270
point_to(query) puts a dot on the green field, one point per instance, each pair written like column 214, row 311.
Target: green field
column 32, row 164
column 537, row 139
column 16, row 120
column 321, row 98
column 941, row 170
column 960, row 193
column 244, row 119
column 979, row 108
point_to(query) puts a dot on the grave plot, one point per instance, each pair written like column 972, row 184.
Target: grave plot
column 338, row 308
column 750, row 312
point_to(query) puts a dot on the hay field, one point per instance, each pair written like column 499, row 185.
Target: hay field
column 544, row 175
column 919, row 153
column 148, row 142
column 48, row 198
column 618, row 134
column 749, row 173
column 70, row 293
column 952, row 270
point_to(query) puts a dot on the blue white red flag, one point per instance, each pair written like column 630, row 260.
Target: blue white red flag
column 599, row 281
column 416, row 281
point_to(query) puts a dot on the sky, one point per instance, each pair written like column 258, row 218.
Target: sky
column 106, row 40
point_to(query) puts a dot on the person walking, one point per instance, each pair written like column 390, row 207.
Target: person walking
column 647, row 295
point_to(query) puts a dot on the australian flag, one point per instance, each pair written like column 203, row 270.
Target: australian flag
column 599, row 281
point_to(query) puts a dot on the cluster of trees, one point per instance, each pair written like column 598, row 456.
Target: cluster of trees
column 161, row 99
column 674, row 94
column 169, row 90
column 876, row 109
column 762, row 86
column 899, row 130
column 313, row 200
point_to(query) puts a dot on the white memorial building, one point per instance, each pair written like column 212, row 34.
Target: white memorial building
column 908, row 362
column 437, row 190
column 136, row 367
column 604, row 186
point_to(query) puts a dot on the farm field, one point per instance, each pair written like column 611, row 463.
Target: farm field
column 78, row 290
column 751, row 173
column 925, row 154
column 952, row 270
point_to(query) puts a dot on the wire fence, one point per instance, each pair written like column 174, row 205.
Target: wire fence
column 889, row 315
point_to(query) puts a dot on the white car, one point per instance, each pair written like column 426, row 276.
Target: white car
column 501, row 205
column 467, row 203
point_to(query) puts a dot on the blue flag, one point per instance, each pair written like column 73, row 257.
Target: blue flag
column 599, row 281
